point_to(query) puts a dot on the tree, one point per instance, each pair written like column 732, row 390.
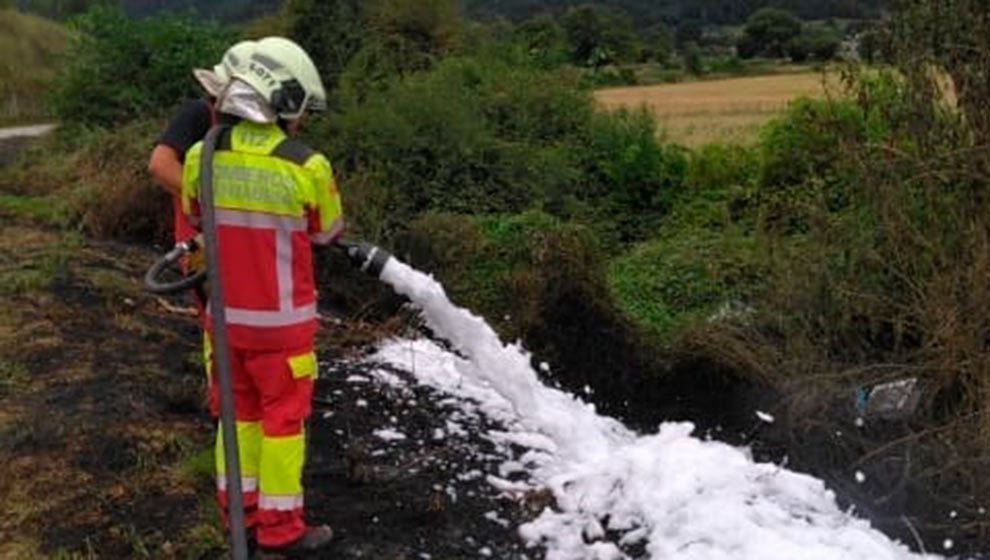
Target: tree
column 119, row 67
column 544, row 39
column 599, row 36
column 688, row 31
column 692, row 59
column 658, row 45
column 331, row 32
column 819, row 43
column 772, row 30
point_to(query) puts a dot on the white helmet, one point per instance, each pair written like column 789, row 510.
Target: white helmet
column 217, row 80
column 285, row 76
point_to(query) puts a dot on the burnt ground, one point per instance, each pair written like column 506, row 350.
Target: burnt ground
column 99, row 394
column 107, row 446
column 425, row 496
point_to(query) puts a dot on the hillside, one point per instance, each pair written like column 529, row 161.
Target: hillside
column 651, row 12
column 645, row 13
column 29, row 46
column 224, row 10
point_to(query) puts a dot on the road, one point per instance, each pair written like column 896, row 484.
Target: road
column 26, row 131
column 13, row 139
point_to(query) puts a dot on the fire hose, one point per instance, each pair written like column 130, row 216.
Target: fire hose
column 366, row 257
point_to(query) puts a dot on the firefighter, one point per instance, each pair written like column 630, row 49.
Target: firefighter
column 274, row 198
column 189, row 125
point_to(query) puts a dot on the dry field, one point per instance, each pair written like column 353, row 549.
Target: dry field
column 729, row 110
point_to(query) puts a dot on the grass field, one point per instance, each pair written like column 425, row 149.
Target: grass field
column 29, row 46
column 730, row 110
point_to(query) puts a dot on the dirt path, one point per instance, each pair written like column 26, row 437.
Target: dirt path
column 26, row 131
column 14, row 139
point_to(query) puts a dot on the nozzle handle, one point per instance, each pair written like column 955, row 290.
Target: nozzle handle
column 181, row 249
column 364, row 256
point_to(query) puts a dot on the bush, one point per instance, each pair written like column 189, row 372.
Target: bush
column 119, row 68
column 817, row 43
column 539, row 279
column 686, row 276
column 768, row 31
column 632, row 179
column 469, row 136
column 693, row 63
column 728, row 65
column 97, row 182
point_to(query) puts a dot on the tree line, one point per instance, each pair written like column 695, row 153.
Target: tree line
column 649, row 13
column 645, row 13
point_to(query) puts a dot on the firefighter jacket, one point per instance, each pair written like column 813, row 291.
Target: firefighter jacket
column 274, row 197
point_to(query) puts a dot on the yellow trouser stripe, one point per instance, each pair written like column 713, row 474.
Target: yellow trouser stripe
column 282, row 464
column 249, row 449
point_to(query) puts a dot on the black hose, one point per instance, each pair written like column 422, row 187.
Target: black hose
column 235, row 500
column 156, row 286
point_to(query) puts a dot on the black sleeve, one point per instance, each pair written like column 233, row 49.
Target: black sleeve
column 188, row 126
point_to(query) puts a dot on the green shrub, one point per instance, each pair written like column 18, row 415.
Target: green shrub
column 632, row 180
column 538, row 279
column 727, row 65
column 120, row 68
column 818, row 43
column 485, row 262
column 807, row 171
column 470, row 136
column 723, row 166
column 686, row 276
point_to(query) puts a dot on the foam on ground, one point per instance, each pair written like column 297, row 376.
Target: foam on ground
column 676, row 496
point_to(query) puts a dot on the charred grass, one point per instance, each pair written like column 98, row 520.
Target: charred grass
column 96, row 183
column 100, row 400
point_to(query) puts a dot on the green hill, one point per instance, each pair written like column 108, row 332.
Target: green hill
column 29, row 46
column 647, row 13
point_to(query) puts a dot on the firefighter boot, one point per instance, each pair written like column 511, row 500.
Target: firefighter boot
column 314, row 539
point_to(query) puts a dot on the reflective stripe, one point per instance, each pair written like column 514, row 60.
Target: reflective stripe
column 280, row 503
column 248, row 484
column 259, row 220
column 283, row 226
column 255, row 318
column 283, row 269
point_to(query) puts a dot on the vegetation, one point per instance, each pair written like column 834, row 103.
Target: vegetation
column 649, row 13
column 769, row 31
column 119, row 67
column 841, row 246
column 27, row 42
column 224, row 10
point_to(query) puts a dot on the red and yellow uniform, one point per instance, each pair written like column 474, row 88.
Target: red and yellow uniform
column 274, row 198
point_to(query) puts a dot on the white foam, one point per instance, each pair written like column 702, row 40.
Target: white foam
column 683, row 498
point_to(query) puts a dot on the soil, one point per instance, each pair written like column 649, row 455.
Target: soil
column 108, row 448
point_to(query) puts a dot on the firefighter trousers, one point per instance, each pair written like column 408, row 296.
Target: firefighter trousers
column 272, row 394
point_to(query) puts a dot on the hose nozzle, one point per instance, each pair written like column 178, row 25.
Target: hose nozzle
column 366, row 257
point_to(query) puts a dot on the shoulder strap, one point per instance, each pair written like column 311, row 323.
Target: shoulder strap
column 224, row 143
column 214, row 118
column 293, row 150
